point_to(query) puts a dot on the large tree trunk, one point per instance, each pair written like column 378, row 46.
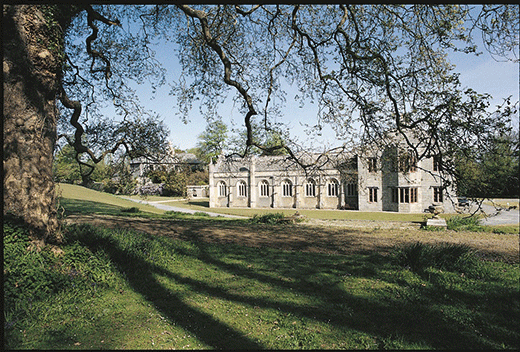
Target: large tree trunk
column 31, row 69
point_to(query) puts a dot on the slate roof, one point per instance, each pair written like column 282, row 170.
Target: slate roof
column 279, row 163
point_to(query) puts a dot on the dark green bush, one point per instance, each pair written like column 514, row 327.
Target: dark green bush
column 444, row 256
column 469, row 223
column 272, row 218
column 130, row 210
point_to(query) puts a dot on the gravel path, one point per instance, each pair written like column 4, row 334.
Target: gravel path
column 500, row 217
column 158, row 205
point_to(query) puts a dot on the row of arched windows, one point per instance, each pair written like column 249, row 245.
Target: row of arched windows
column 287, row 188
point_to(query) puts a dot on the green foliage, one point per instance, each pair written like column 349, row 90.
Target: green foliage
column 271, row 218
column 65, row 167
column 175, row 184
column 461, row 223
column 118, row 179
column 130, row 210
column 175, row 181
column 57, row 18
column 212, row 141
column 28, row 271
column 198, row 178
column 67, row 170
column 445, row 256
column 39, row 274
column 491, row 171
column 273, row 141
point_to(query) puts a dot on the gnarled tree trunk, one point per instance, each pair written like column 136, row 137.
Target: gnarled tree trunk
column 31, row 69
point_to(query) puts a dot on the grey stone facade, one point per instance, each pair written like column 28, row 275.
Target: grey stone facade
column 378, row 181
column 196, row 191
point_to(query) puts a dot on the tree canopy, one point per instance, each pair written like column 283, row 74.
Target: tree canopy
column 370, row 69
column 212, row 142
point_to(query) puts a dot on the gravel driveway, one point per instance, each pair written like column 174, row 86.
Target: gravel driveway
column 500, row 217
column 158, row 205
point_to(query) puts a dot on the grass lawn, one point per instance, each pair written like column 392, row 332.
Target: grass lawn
column 112, row 204
column 504, row 203
column 122, row 288
column 80, row 199
column 203, row 205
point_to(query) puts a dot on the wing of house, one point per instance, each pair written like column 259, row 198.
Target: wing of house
column 381, row 179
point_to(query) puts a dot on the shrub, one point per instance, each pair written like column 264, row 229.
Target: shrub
column 271, row 218
column 130, row 210
column 118, row 186
column 445, row 256
column 149, row 189
column 469, row 223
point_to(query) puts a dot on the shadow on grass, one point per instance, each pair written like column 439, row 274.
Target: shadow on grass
column 140, row 275
column 76, row 206
column 413, row 318
column 200, row 203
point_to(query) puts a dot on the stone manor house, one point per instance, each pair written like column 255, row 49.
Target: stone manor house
column 379, row 180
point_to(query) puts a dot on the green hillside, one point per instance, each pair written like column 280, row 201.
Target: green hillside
column 91, row 201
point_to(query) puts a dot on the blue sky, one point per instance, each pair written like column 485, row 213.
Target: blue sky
column 482, row 73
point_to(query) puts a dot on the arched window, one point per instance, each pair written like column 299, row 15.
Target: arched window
column 264, row 188
column 222, row 189
column 310, row 188
column 242, row 189
column 286, row 188
column 333, row 188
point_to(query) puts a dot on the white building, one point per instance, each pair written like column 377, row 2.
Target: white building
column 388, row 180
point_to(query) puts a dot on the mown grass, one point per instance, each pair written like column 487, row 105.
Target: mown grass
column 472, row 224
column 203, row 205
column 81, row 200
column 120, row 289
column 77, row 199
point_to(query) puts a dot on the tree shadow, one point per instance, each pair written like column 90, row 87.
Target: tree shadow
column 200, row 203
column 140, row 275
column 410, row 318
column 76, row 206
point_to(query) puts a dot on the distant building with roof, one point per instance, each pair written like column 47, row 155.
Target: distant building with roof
column 389, row 179
column 169, row 161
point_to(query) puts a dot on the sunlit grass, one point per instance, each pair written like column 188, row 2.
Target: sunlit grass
column 154, row 198
column 163, row 293
column 203, row 205
column 75, row 193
